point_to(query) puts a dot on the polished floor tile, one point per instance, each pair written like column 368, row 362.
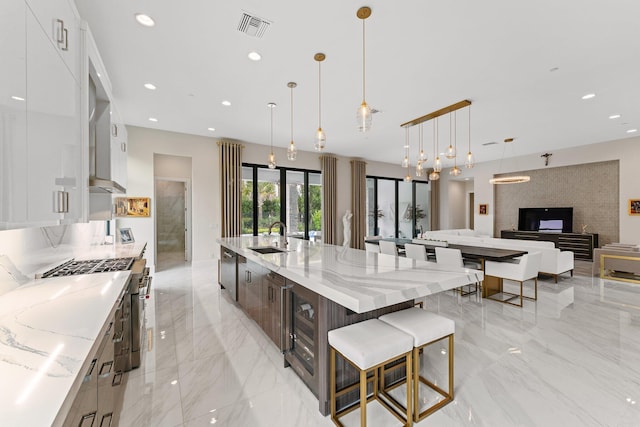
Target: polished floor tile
column 572, row 358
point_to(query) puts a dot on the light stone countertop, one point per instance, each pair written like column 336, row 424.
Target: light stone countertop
column 358, row 280
column 47, row 330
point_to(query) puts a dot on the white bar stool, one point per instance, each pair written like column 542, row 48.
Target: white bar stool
column 425, row 328
column 368, row 346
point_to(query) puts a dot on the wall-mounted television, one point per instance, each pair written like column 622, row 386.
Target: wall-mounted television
column 546, row 220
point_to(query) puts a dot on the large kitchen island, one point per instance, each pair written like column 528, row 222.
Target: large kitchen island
column 299, row 291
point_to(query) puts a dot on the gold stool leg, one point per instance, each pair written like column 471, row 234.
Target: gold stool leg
column 363, row 398
column 451, row 365
column 332, row 380
column 409, row 378
column 416, row 383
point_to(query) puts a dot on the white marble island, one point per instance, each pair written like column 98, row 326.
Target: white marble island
column 358, row 280
column 298, row 295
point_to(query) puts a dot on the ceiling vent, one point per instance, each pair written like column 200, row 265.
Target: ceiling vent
column 252, row 25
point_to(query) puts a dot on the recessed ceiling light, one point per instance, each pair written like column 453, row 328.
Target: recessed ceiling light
column 254, row 56
column 614, row 116
column 589, row 96
column 211, row 129
column 632, row 130
column 226, row 103
column 153, row 119
column 145, row 20
column 150, row 86
column 17, row 98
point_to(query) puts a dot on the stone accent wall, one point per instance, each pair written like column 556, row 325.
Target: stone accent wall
column 591, row 189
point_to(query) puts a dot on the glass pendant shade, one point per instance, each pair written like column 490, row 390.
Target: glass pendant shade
column 419, row 169
column 469, row 162
column 364, row 117
column 422, row 157
column 434, row 176
column 455, row 171
column 319, row 140
column 407, row 178
column 450, row 153
column 291, row 151
column 272, row 161
column 405, row 162
column 437, row 165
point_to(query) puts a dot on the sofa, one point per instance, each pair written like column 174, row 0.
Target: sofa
column 616, row 264
column 554, row 261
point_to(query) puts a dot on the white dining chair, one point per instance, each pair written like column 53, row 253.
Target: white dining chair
column 388, row 248
column 526, row 269
column 453, row 257
column 371, row 247
column 415, row 251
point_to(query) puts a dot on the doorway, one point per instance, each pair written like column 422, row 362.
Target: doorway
column 173, row 236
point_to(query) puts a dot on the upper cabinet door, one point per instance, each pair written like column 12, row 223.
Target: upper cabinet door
column 55, row 188
column 61, row 24
column 13, row 113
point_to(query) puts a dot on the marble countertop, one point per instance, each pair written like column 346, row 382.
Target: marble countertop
column 48, row 328
column 358, row 280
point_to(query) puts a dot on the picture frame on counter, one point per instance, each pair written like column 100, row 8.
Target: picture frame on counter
column 132, row 206
column 126, row 236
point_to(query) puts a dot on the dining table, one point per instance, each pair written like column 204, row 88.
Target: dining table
column 491, row 285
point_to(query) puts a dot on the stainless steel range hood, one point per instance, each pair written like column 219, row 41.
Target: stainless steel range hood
column 103, row 186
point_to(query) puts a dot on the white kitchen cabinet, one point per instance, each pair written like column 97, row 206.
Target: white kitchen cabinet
column 59, row 22
column 55, row 185
column 13, row 114
column 42, row 176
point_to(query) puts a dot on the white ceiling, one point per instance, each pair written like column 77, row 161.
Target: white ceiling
column 421, row 56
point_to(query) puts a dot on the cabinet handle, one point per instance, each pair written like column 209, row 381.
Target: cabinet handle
column 61, row 202
column 60, row 35
column 66, row 40
column 115, row 130
column 249, row 275
column 123, row 147
column 87, row 420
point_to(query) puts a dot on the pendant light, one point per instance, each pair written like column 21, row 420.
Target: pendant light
column 292, row 152
column 405, row 160
column 451, row 151
column 422, row 157
column 407, row 177
column 469, row 162
column 435, row 174
column 364, row 112
column 455, row 170
column 272, row 157
column 512, row 179
column 320, row 138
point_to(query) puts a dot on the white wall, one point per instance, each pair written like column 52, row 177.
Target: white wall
column 627, row 151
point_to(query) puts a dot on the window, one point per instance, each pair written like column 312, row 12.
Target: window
column 292, row 196
column 397, row 208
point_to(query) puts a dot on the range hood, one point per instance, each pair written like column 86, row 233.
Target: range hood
column 99, row 185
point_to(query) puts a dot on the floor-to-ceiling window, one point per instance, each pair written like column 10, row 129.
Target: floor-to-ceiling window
column 292, row 196
column 396, row 208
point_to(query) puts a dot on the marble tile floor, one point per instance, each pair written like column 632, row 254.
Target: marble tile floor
column 570, row 359
column 168, row 260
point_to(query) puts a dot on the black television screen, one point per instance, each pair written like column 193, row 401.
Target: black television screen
column 547, row 220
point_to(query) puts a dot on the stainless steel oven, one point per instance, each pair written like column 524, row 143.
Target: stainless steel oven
column 301, row 326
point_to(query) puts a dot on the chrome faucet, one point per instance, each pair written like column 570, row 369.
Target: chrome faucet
column 283, row 227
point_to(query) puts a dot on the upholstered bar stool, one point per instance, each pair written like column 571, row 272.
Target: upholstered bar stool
column 425, row 328
column 368, row 346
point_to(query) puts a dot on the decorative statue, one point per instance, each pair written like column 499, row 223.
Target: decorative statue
column 584, row 228
column 346, row 223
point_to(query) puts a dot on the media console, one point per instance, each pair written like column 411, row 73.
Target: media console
column 581, row 245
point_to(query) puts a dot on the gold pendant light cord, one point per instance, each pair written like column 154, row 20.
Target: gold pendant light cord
column 319, row 96
column 271, row 130
column 363, row 62
column 291, row 113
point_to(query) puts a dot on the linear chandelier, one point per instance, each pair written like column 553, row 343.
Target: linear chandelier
column 451, row 152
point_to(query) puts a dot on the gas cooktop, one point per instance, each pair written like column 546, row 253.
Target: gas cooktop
column 73, row 267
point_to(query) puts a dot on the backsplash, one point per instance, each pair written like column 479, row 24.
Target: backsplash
column 19, row 249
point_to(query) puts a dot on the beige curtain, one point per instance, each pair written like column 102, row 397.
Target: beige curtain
column 435, row 205
column 328, row 165
column 230, row 158
column 358, row 203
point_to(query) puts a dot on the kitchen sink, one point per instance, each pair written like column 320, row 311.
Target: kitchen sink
column 267, row 250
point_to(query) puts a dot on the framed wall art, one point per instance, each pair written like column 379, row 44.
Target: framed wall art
column 132, row 206
column 483, row 209
column 634, row 206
